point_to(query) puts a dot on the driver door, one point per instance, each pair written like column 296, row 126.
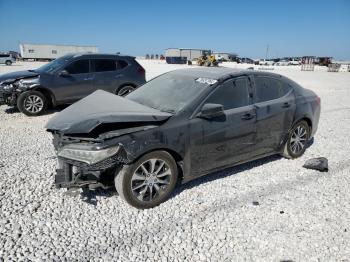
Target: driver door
column 222, row 141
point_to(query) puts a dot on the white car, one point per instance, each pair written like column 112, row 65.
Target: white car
column 283, row 63
column 294, row 62
column 6, row 59
column 266, row 62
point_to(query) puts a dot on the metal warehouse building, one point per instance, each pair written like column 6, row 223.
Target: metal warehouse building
column 190, row 53
column 38, row 51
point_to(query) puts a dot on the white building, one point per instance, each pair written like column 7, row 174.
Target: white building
column 190, row 53
column 36, row 51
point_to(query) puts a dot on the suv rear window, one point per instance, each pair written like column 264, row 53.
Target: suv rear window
column 78, row 67
column 104, row 65
column 269, row 88
column 122, row 64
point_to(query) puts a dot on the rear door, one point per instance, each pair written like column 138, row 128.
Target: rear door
column 77, row 84
column 228, row 139
column 107, row 75
column 275, row 107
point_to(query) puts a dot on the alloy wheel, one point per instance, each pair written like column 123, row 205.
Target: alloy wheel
column 150, row 179
column 125, row 90
column 33, row 104
column 298, row 139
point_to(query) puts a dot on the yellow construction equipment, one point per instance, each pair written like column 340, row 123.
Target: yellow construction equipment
column 207, row 60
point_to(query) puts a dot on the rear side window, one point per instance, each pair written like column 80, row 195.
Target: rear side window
column 232, row 94
column 269, row 88
column 104, row 65
column 78, row 67
column 4, row 55
column 121, row 64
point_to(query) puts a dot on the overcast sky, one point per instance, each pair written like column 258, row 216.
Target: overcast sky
column 290, row 28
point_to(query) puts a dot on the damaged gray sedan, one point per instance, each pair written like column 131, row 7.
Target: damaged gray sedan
column 180, row 126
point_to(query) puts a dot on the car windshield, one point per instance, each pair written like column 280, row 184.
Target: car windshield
column 53, row 65
column 170, row 92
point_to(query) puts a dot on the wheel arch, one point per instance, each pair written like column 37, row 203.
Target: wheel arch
column 47, row 93
column 306, row 119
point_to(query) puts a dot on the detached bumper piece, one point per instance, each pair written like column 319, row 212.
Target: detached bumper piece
column 73, row 173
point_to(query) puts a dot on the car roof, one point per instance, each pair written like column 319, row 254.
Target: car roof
column 99, row 55
column 220, row 73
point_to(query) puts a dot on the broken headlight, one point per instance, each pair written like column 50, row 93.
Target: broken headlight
column 86, row 153
column 8, row 87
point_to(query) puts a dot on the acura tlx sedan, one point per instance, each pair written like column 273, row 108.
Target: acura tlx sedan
column 180, row 126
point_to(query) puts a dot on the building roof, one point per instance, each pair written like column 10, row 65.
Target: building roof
column 187, row 48
column 58, row 45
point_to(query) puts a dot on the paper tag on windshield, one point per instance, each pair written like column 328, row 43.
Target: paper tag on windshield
column 208, row 81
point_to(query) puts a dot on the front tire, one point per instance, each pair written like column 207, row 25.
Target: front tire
column 297, row 140
column 32, row 103
column 8, row 62
column 149, row 181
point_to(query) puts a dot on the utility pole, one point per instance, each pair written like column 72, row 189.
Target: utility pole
column 267, row 51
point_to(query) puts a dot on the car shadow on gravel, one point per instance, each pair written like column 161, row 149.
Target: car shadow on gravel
column 89, row 196
column 230, row 171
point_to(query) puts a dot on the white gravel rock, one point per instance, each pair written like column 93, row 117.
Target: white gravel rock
column 303, row 215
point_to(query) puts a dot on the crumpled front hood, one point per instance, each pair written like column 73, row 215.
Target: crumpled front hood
column 17, row 75
column 102, row 108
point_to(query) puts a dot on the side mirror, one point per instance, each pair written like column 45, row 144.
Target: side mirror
column 64, row 73
column 210, row 111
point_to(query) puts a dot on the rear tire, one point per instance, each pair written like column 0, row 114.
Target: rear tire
column 149, row 181
column 8, row 62
column 32, row 103
column 297, row 140
column 124, row 90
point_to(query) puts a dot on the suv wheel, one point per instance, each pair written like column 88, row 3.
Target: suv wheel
column 297, row 140
column 149, row 181
column 124, row 90
column 8, row 62
column 32, row 103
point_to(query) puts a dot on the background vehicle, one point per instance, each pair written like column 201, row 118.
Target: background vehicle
column 68, row 79
column 283, row 62
column 207, row 60
column 7, row 59
column 179, row 126
column 245, row 60
column 266, row 62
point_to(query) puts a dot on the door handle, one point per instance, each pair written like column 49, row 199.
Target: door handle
column 118, row 76
column 286, row 105
column 247, row 116
column 88, row 78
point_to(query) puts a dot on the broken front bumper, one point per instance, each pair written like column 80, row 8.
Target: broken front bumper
column 72, row 173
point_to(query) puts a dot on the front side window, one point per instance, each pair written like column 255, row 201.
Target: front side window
column 104, row 65
column 269, row 89
column 78, row 67
column 231, row 94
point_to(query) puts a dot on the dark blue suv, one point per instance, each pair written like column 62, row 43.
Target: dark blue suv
column 68, row 79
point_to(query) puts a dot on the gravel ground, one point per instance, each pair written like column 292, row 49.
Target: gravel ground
column 268, row 210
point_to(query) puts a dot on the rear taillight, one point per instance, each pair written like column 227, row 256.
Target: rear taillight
column 318, row 100
column 141, row 70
